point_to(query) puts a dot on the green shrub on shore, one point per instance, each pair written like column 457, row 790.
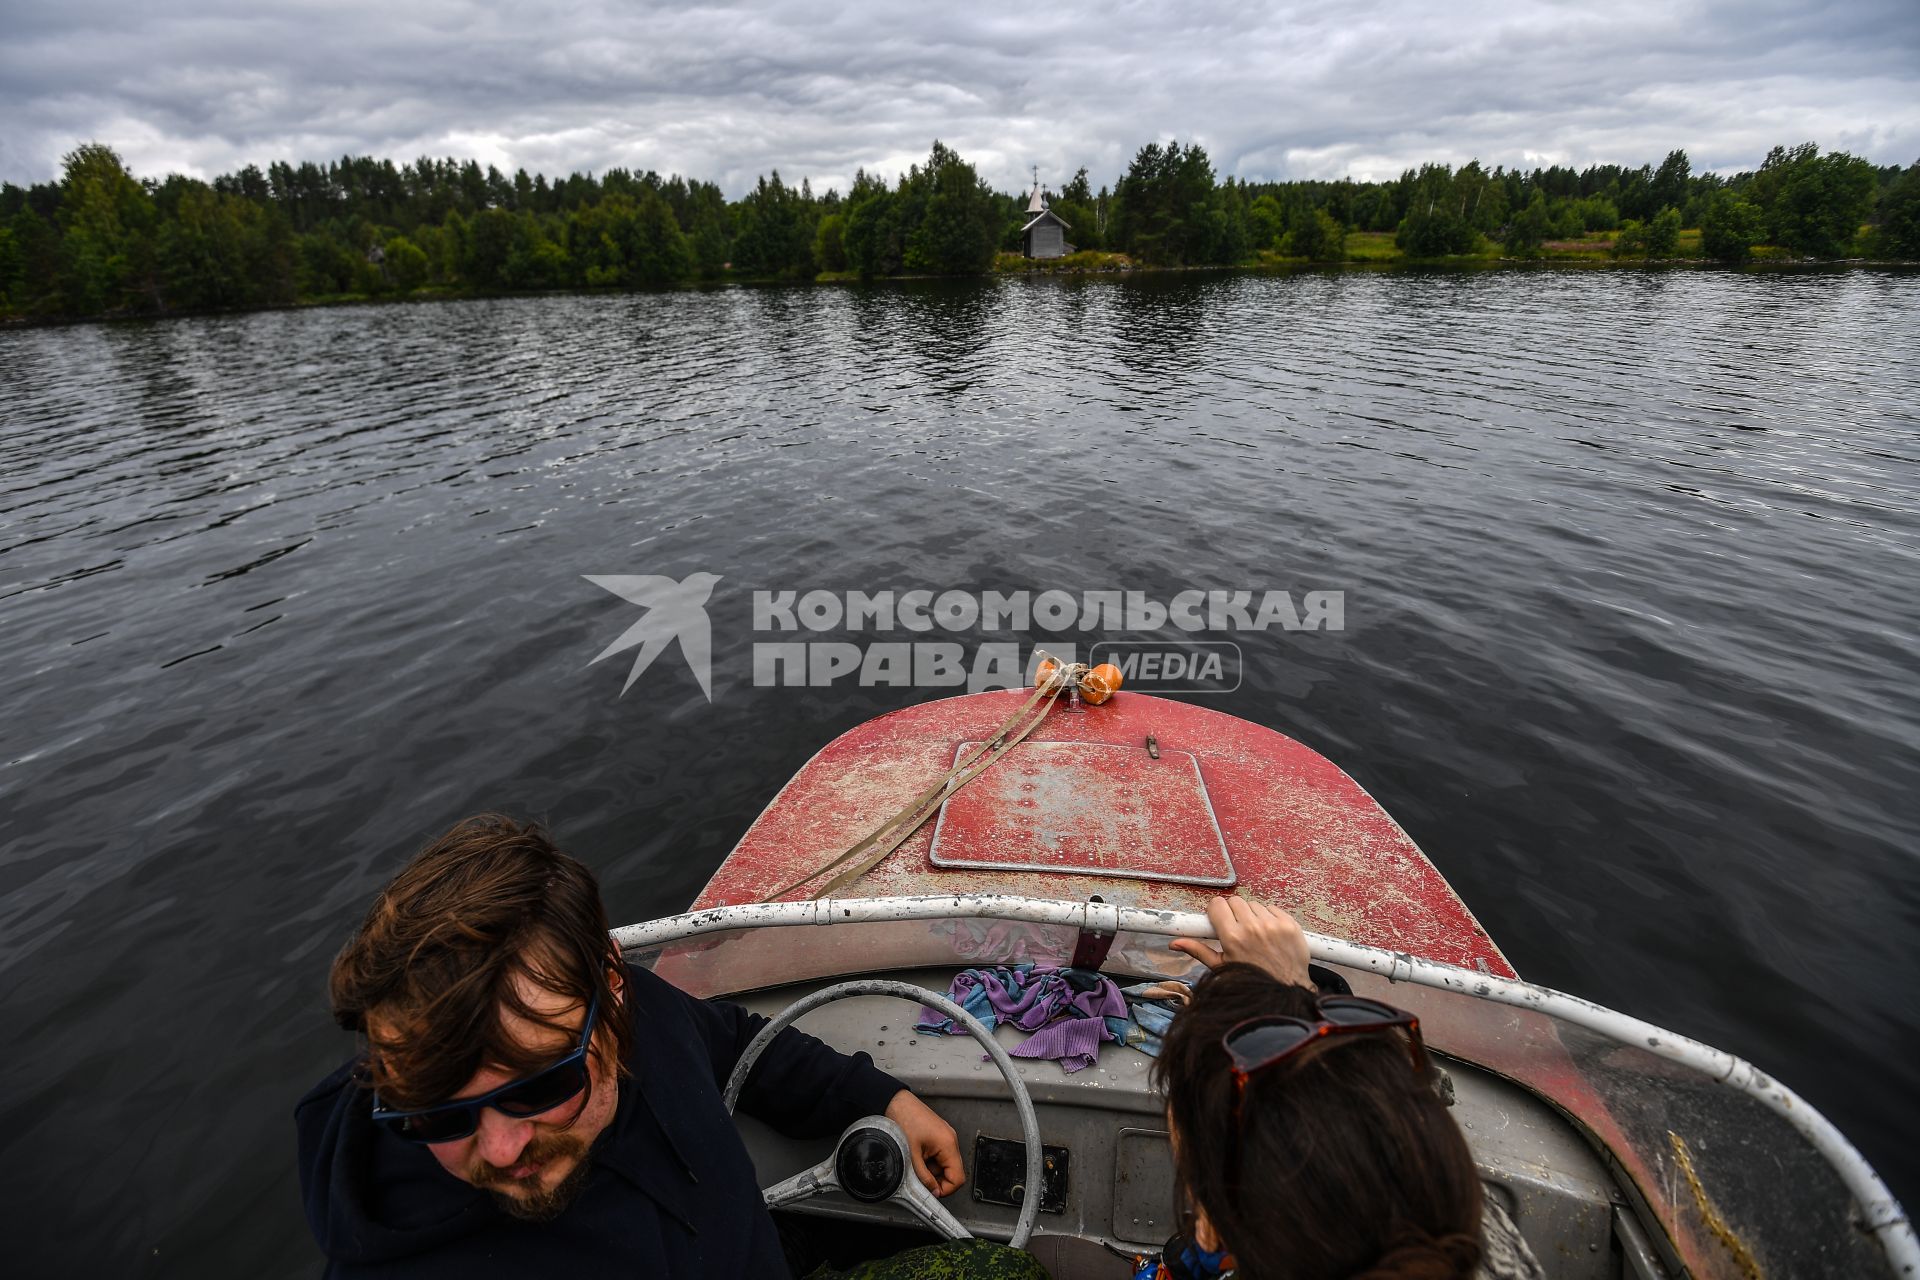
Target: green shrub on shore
column 1811, row 203
column 1655, row 240
column 1081, row 261
column 1730, row 228
column 1528, row 230
column 1663, row 233
column 1897, row 232
column 1316, row 237
column 406, row 264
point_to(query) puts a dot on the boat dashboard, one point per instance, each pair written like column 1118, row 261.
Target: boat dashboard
column 1109, row 1176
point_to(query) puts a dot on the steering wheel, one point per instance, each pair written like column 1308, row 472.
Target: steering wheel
column 871, row 1161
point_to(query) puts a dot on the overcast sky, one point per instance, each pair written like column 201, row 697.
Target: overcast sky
column 816, row 90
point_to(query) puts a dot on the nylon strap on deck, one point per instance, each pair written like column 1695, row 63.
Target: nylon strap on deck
column 893, row 833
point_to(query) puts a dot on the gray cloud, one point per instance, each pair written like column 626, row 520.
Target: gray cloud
column 728, row 93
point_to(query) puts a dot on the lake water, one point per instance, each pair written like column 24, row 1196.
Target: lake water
column 1629, row 563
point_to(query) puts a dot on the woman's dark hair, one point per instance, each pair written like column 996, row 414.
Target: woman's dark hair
column 445, row 948
column 1344, row 1164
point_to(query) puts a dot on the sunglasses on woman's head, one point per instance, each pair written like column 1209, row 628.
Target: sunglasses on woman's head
column 540, row 1092
column 1259, row 1043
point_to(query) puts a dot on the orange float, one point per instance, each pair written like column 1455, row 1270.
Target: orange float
column 1100, row 683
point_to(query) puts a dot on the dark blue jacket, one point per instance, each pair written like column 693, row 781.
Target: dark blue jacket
column 671, row 1192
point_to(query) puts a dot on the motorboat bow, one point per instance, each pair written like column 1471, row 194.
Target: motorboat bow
column 1618, row 1148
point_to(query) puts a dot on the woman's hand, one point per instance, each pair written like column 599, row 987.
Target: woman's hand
column 1252, row 933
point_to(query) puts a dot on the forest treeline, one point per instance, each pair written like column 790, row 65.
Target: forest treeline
column 102, row 242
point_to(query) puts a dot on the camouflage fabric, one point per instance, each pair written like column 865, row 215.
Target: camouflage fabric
column 953, row 1260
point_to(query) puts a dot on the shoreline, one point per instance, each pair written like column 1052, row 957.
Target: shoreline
column 1105, row 271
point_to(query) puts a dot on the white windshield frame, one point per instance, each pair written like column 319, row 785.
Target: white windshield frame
column 1880, row 1212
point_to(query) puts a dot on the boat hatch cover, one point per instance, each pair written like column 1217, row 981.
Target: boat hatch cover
column 1086, row 808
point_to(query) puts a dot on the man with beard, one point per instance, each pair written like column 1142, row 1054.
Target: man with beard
column 526, row 1102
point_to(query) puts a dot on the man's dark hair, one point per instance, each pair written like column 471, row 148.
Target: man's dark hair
column 1344, row 1163
column 436, row 963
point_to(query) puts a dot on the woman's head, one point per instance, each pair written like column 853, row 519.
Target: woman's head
column 1343, row 1162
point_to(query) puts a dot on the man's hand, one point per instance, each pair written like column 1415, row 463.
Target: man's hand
column 931, row 1142
column 1252, row 933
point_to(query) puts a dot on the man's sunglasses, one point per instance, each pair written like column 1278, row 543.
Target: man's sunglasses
column 1258, row 1043
column 537, row 1093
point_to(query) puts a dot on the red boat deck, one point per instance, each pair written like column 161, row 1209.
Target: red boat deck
column 1081, row 808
